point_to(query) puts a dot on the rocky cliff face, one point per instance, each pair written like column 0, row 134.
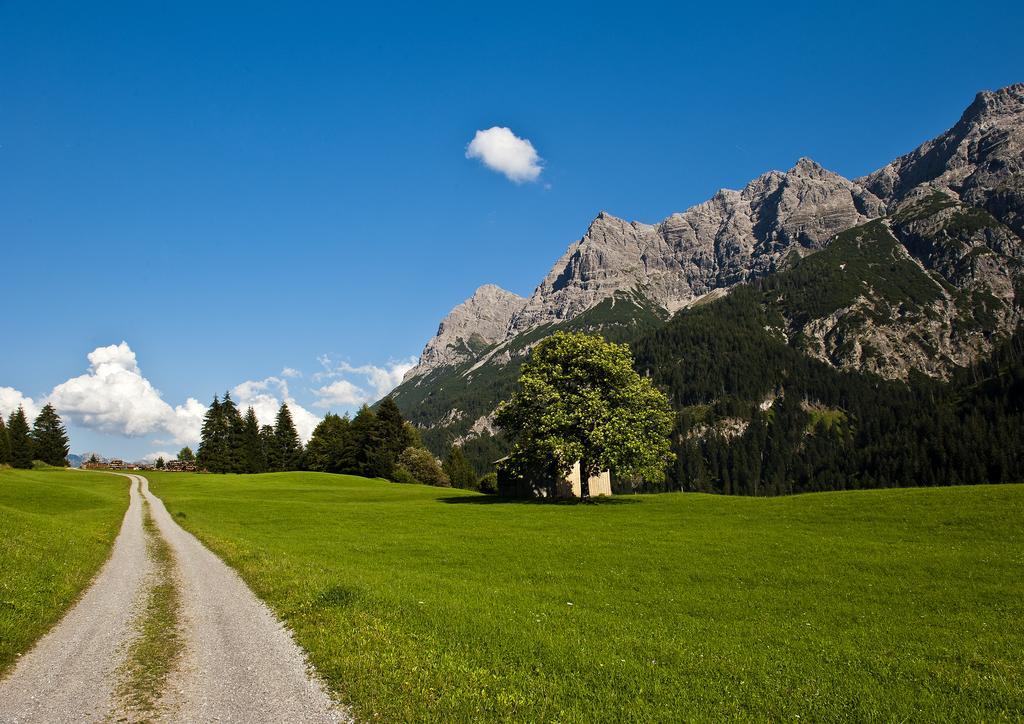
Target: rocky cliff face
column 469, row 328
column 733, row 236
column 980, row 160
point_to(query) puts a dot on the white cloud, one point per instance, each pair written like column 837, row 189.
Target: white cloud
column 379, row 381
column 503, row 151
column 11, row 399
column 114, row 397
column 290, row 372
column 340, row 394
column 265, row 398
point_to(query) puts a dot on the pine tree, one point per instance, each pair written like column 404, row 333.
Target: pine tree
column 394, row 437
column 49, row 438
column 235, row 461
column 253, row 456
column 459, row 470
column 328, row 448
column 288, row 446
column 268, row 447
column 160, row 463
column 5, row 443
column 21, row 442
column 366, row 443
column 212, row 455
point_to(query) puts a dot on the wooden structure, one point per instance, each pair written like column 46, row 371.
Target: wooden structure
column 571, row 486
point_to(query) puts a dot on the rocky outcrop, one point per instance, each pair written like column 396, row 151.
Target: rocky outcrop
column 469, row 329
column 734, row 236
column 980, row 160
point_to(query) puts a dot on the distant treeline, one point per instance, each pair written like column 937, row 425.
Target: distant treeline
column 46, row 441
column 374, row 444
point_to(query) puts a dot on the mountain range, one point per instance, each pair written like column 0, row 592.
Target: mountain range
column 914, row 270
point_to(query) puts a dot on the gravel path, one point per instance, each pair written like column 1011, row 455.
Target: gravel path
column 240, row 663
column 70, row 675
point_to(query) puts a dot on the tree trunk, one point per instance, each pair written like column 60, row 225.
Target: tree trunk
column 584, row 481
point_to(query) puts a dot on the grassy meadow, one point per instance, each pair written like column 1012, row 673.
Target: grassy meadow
column 421, row 603
column 56, row 530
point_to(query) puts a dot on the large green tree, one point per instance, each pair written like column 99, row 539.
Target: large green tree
column 20, row 440
column 50, row 438
column 287, row 445
column 186, row 455
column 579, row 399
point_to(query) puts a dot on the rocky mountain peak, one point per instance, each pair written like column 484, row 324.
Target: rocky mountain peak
column 980, row 159
column 474, row 324
column 987, row 104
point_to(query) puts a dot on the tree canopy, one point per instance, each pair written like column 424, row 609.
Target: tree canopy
column 579, row 399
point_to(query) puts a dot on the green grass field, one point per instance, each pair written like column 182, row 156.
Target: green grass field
column 420, row 603
column 56, row 530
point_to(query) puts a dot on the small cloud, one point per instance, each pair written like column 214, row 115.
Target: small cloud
column 380, row 380
column 340, row 394
column 290, row 372
column 503, row 151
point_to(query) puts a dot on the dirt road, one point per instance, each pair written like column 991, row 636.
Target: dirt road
column 238, row 662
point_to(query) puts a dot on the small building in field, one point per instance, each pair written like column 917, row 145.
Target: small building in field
column 600, row 484
column 571, row 486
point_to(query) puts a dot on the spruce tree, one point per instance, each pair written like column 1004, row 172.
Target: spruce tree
column 459, row 470
column 49, row 438
column 268, row 447
column 288, row 446
column 21, row 442
column 5, row 443
column 328, row 448
column 212, row 455
column 253, row 456
column 394, row 437
column 367, row 444
column 235, row 461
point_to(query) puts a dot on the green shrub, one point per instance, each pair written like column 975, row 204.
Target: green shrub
column 423, row 467
column 488, row 483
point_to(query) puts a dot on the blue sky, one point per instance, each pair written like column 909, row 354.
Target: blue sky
column 235, row 189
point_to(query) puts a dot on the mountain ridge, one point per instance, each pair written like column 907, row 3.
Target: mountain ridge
column 932, row 278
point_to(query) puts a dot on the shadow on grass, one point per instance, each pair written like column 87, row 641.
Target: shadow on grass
column 497, row 500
